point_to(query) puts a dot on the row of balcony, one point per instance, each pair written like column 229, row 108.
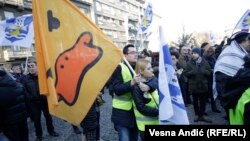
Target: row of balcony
column 9, row 54
column 27, row 3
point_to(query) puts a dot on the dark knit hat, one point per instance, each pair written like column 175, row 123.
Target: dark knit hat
column 197, row 50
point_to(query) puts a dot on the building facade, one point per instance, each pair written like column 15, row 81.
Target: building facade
column 117, row 18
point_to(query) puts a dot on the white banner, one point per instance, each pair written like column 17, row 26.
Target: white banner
column 17, row 31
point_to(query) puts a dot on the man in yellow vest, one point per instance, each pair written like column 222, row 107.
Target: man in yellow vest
column 122, row 82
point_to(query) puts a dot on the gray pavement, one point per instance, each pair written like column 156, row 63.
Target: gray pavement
column 107, row 130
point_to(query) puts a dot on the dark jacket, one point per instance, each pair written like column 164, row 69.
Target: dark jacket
column 198, row 76
column 219, row 49
column 91, row 120
column 233, row 90
column 12, row 101
column 30, row 82
column 234, row 87
column 18, row 76
column 141, row 101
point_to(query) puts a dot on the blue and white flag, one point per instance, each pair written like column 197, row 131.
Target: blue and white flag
column 147, row 19
column 171, row 105
column 244, row 22
column 17, row 31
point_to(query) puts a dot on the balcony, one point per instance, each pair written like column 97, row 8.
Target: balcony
column 141, row 1
column 28, row 4
column 107, row 14
column 13, row 2
column 11, row 55
column 85, row 1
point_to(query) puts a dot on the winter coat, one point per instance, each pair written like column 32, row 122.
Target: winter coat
column 198, row 76
column 12, row 101
column 30, row 82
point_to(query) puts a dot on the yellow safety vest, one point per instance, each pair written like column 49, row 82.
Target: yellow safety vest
column 123, row 102
column 236, row 116
column 142, row 120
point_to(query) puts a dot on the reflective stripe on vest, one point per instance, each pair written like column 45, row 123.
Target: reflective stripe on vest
column 142, row 120
column 236, row 116
column 123, row 102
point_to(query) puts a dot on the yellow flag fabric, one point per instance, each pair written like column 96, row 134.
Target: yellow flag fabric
column 75, row 58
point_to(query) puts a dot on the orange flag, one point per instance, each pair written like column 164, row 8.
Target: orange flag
column 75, row 58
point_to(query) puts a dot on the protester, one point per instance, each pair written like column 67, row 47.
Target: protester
column 91, row 123
column 122, row 82
column 37, row 103
column 236, row 95
column 225, row 69
column 145, row 103
column 209, row 56
column 13, row 110
column 198, row 72
column 181, row 64
column 17, row 72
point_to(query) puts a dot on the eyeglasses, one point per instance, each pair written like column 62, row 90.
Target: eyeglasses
column 133, row 52
column 30, row 66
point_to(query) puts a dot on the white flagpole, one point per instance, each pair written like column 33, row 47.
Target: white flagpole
column 129, row 66
column 26, row 65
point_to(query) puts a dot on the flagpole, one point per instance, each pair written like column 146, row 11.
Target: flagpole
column 131, row 69
column 136, row 39
column 26, row 65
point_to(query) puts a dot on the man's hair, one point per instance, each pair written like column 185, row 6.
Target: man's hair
column 204, row 44
column 125, row 49
column 32, row 61
column 175, row 53
column 14, row 65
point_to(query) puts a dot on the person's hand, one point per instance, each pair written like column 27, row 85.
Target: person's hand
column 225, row 38
column 136, row 79
column 179, row 71
column 144, row 87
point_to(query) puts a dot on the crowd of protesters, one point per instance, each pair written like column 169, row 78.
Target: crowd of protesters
column 206, row 74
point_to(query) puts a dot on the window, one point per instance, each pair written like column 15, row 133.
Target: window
column 98, row 6
column 32, row 49
column 85, row 11
column 112, row 11
column 105, row 7
column 8, row 15
column 115, row 35
column 16, row 48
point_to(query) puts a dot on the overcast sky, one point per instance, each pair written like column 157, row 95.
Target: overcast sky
column 199, row 15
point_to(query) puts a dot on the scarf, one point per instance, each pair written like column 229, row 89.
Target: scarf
column 229, row 62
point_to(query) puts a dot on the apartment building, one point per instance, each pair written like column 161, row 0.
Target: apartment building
column 117, row 18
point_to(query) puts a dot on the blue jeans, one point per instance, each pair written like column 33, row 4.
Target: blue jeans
column 127, row 134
